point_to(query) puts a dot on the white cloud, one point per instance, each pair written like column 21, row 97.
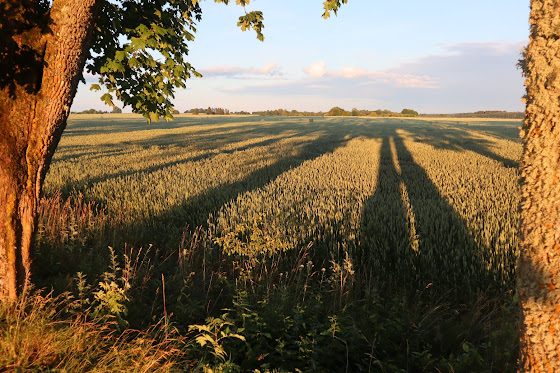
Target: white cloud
column 319, row 70
column 269, row 69
column 316, row 70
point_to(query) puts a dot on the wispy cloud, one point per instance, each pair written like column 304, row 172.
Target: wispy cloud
column 319, row 86
column 462, row 77
column 270, row 69
column 368, row 77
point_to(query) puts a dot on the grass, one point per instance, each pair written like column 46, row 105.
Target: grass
column 277, row 244
column 37, row 336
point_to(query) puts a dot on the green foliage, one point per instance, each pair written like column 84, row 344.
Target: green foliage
column 106, row 302
column 252, row 20
column 131, row 71
column 332, row 6
column 378, row 334
column 209, row 343
column 144, row 71
column 409, row 112
column 337, row 112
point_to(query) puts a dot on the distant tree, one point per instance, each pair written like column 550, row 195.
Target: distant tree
column 336, row 112
column 93, row 111
column 355, row 112
column 116, row 110
column 195, row 112
column 209, row 111
column 175, row 111
column 409, row 112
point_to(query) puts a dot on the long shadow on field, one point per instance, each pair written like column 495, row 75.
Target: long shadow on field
column 77, row 151
column 384, row 249
column 503, row 129
column 411, row 236
column 205, row 139
column 455, row 138
column 166, row 228
column 79, row 125
column 81, row 185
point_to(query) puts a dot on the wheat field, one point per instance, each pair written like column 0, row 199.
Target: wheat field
column 413, row 202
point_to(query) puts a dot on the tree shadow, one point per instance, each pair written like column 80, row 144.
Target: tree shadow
column 208, row 143
column 384, row 247
column 504, row 129
column 458, row 139
column 80, row 186
column 413, row 239
column 92, row 154
column 165, row 229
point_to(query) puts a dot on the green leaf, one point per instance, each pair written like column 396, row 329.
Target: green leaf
column 120, row 55
column 107, row 98
column 137, row 43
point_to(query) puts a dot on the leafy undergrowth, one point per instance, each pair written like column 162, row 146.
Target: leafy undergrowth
column 250, row 310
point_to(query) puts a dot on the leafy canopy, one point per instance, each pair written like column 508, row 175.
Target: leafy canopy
column 140, row 48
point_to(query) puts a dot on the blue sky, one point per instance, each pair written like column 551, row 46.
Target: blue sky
column 435, row 56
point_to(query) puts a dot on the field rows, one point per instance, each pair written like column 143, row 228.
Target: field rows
column 411, row 202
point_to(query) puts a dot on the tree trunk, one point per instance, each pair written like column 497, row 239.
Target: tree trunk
column 42, row 58
column 539, row 265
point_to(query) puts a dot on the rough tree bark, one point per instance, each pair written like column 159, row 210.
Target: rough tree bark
column 42, row 55
column 539, row 265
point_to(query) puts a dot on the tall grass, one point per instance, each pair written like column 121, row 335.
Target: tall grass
column 36, row 336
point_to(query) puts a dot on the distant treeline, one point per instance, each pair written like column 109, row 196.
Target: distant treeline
column 289, row 113
column 215, row 111
column 115, row 110
column 482, row 114
column 339, row 112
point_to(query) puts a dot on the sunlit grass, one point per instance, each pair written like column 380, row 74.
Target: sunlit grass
column 33, row 337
